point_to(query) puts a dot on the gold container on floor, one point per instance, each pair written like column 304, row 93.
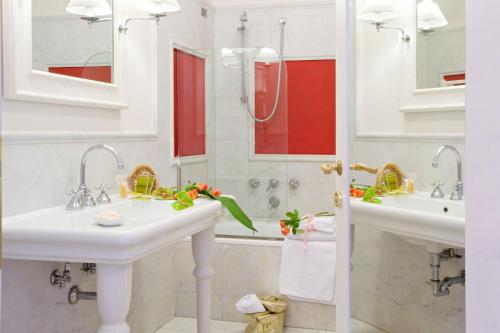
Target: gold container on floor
column 271, row 321
column 265, row 322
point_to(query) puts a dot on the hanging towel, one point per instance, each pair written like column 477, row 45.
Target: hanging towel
column 323, row 228
column 308, row 274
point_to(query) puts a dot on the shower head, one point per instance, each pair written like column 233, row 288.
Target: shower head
column 243, row 17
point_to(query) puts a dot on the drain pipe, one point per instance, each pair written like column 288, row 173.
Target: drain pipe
column 442, row 287
column 75, row 295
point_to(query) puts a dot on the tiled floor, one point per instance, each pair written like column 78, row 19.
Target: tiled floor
column 188, row 325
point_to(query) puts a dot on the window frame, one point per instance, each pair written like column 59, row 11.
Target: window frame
column 194, row 159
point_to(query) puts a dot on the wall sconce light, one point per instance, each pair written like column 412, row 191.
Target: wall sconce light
column 429, row 17
column 92, row 11
column 379, row 11
column 156, row 10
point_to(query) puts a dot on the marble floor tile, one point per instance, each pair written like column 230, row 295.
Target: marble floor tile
column 181, row 325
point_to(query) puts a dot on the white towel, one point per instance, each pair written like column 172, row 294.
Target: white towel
column 324, row 229
column 308, row 275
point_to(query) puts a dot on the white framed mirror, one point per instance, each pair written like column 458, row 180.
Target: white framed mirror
column 433, row 77
column 64, row 52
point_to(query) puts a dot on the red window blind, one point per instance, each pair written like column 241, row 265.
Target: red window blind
column 189, row 104
column 308, row 125
column 95, row 73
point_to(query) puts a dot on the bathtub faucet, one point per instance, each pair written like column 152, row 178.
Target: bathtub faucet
column 272, row 203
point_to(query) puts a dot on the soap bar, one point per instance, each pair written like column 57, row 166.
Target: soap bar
column 109, row 218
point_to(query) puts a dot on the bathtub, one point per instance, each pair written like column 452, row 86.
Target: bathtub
column 268, row 229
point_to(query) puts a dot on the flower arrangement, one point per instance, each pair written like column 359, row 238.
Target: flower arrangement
column 185, row 198
column 293, row 220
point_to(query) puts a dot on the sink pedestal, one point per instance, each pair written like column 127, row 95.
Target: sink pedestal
column 202, row 243
column 114, row 287
column 114, row 290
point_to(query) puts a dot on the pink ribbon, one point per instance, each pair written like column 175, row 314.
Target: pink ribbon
column 309, row 227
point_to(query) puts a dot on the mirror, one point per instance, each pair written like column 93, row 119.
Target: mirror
column 440, row 42
column 73, row 38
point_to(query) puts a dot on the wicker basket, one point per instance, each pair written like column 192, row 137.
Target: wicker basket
column 142, row 170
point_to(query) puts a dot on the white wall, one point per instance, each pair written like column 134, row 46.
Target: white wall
column 43, row 144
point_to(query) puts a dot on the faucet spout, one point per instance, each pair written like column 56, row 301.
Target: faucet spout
column 83, row 163
column 435, row 161
column 458, row 188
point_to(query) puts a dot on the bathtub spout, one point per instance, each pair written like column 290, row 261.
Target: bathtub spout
column 273, row 203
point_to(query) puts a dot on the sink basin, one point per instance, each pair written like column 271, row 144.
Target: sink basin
column 55, row 234
column 417, row 217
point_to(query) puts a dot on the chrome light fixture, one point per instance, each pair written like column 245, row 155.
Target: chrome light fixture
column 156, row 10
column 429, row 17
column 92, row 11
column 378, row 12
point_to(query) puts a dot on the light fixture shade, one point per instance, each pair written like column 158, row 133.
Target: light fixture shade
column 156, row 7
column 430, row 16
column 229, row 58
column 266, row 54
column 377, row 11
column 89, row 8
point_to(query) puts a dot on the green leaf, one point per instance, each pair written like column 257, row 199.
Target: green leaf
column 234, row 209
column 183, row 201
column 290, row 215
column 179, row 206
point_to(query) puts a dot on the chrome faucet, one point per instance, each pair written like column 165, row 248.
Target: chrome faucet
column 457, row 192
column 82, row 197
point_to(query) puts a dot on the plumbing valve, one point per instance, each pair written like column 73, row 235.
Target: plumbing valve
column 61, row 278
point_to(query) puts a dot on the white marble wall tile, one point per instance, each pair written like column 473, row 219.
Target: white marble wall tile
column 231, row 158
column 311, row 198
column 390, row 289
column 31, row 305
column 411, row 157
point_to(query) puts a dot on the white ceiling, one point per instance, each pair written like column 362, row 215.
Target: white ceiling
column 265, row 3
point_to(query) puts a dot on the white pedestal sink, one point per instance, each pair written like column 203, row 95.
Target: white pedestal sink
column 55, row 234
column 420, row 219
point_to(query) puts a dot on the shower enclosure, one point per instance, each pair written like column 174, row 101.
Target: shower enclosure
column 252, row 146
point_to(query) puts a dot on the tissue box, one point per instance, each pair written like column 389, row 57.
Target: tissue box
column 265, row 322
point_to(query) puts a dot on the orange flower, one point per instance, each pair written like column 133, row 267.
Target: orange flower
column 282, row 224
column 193, row 194
column 202, row 187
column 216, row 192
column 285, row 231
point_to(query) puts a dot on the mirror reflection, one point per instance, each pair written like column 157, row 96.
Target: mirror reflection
column 73, row 38
column 440, row 43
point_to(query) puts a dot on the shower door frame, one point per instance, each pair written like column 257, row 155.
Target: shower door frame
column 344, row 101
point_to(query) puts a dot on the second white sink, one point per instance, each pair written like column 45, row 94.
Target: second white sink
column 417, row 217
